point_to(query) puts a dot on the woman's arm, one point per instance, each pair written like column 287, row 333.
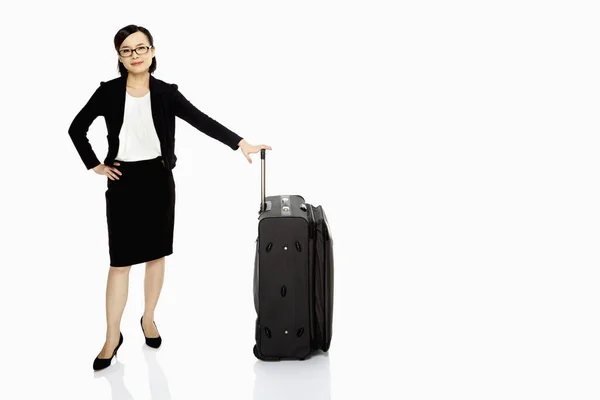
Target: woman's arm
column 80, row 126
column 185, row 110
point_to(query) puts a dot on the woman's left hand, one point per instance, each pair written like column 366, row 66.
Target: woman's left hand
column 248, row 149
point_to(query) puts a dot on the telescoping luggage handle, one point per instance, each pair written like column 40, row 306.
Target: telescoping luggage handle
column 266, row 205
column 262, row 182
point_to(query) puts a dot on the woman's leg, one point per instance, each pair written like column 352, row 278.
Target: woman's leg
column 117, row 288
column 153, row 282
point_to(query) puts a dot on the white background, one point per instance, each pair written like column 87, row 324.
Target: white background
column 453, row 146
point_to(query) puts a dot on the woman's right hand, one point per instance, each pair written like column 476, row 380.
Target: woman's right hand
column 110, row 171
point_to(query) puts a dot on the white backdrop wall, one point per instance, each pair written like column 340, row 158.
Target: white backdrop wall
column 453, row 146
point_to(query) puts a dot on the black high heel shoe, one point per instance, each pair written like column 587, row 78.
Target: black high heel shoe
column 101, row 363
column 152, row 342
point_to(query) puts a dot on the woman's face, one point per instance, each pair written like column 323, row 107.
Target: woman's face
column 134, row 62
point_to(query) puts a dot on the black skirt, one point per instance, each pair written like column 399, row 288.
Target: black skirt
column 140, row 211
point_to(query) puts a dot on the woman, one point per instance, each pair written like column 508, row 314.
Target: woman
column 140, row 113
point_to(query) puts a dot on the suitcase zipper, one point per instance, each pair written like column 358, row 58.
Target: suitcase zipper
column 311, row 223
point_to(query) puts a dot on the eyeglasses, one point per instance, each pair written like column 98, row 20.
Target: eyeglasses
column 139, row 50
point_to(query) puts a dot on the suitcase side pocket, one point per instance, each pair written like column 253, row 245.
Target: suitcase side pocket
column 313, row 325
column 328, row 281
column 317, row 262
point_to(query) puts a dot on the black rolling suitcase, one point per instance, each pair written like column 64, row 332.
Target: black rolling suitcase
column 293, row 278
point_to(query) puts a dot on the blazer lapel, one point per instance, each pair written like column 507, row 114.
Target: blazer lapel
column 156, row 99
column 120, row 104
column 156, row 105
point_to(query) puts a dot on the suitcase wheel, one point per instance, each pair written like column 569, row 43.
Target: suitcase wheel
column 260, row 357
column 255, row 351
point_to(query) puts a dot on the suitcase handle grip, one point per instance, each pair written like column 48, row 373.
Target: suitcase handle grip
column 262, row 181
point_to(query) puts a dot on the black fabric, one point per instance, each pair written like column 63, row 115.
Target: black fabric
column 140, row 212
column 167, row 102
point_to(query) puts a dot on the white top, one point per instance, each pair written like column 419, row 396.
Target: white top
column 138, row 139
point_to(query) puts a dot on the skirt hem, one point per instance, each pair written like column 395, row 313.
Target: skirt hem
column 140, row 260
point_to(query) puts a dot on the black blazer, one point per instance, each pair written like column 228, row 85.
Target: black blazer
column 166, row 102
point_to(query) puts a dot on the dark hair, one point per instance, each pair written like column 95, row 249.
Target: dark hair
column 122, row 35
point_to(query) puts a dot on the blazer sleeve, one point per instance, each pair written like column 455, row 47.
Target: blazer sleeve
column 185, row 110
column 80, row 126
